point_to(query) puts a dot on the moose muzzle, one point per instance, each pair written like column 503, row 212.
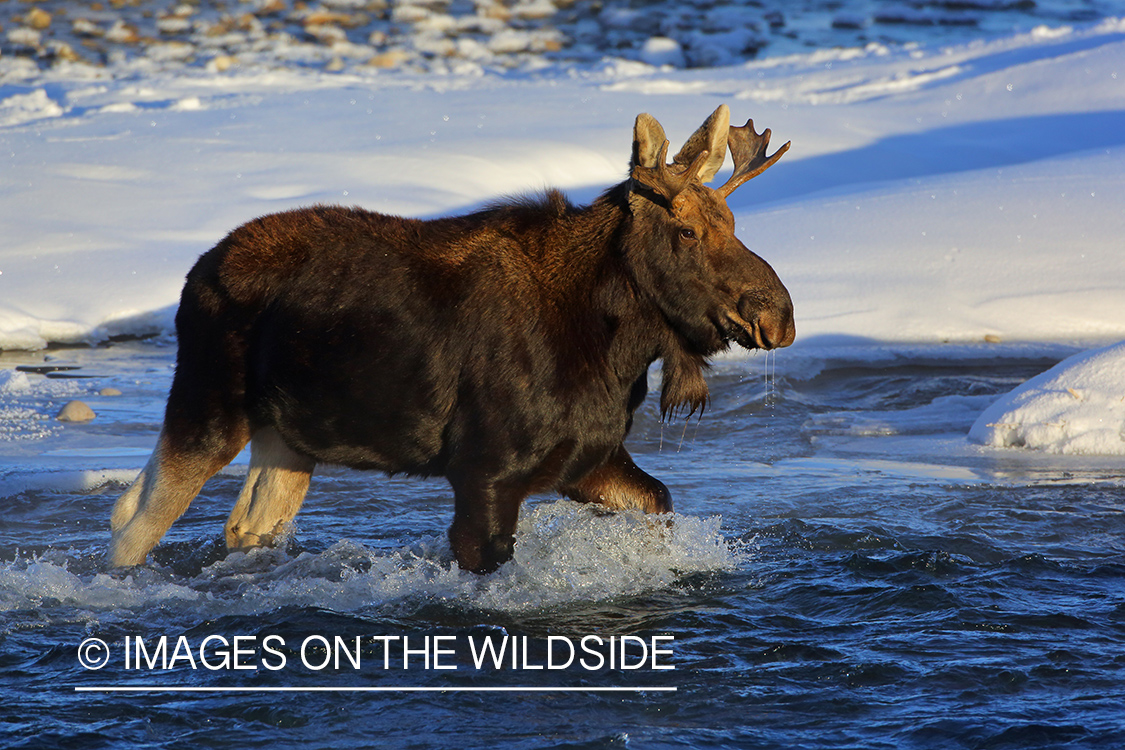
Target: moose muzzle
column 766, row 319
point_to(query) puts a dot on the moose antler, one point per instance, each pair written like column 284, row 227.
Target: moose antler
column 669, row 179
column 712, row 137
column 748, row 151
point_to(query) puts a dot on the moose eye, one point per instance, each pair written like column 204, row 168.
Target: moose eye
column 687, row 234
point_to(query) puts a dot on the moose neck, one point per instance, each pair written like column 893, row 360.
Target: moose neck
column 589, row 262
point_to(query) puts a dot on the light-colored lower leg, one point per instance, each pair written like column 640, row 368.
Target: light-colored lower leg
column 157, row 497
column 275, row 488
column 620, row 484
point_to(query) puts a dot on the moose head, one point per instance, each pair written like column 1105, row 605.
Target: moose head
column 711, row 289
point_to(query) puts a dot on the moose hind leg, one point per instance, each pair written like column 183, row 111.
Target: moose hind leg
column 620, row 484
column 160, row 494
column 275, row 488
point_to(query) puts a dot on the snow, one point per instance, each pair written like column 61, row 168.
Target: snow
column 1078, row 406
column 965, row 201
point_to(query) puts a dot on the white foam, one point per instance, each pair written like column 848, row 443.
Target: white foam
column 23, row 423
column 31, row 584
column 18, row 383
column 565, row 554
column 26, row 407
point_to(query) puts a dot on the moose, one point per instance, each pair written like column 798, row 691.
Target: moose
column 506, row 350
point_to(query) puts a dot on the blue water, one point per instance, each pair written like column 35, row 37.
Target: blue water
column 841, row 572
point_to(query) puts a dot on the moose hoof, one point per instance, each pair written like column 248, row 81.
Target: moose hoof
column 498, row 551
column 484, row 557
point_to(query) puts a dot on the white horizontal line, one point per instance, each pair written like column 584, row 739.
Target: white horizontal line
column 330, row 689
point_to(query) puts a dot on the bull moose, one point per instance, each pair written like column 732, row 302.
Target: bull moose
column 505, row 350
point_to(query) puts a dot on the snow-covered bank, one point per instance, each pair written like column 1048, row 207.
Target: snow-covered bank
column 930, row 195
column 1078, row 406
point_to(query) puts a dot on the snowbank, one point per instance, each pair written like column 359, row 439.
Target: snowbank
column 1078, row 406
column 962, row 194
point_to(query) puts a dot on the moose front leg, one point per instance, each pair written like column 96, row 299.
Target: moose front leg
column 619, row 484
column 484, row 524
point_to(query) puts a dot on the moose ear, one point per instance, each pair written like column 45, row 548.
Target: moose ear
column 648, row 139
column 711, row 137
column 650, row 154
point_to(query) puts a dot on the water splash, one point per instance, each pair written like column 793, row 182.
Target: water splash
column 566, row 553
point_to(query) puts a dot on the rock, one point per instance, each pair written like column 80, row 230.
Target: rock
column 409, row 14
column 75, row 411
column 123, row 33
column 174, row 25
column 171, row 51
column 534, row 9
column 326, row 33
column 109, row 391
column 660, row 50
column 57, row 50
column 325, row 18
column 24, row 39
column 221, row 63
column 38, row 19
column 389, row 59
column 84, row 27
column 494, row 11
column 270, row 7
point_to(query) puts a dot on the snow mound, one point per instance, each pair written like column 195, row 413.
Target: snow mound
column 1078, row 406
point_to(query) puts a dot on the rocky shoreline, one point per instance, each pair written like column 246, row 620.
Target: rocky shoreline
column 461, row 36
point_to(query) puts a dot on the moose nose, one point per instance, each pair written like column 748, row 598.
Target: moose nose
column 776, row 327
column 772, row 323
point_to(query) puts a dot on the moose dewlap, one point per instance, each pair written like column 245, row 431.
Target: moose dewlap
column 505, row 350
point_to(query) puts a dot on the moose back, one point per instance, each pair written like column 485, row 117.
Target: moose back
column 505, row 350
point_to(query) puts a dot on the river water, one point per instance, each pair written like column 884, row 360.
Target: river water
column 844, row 570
